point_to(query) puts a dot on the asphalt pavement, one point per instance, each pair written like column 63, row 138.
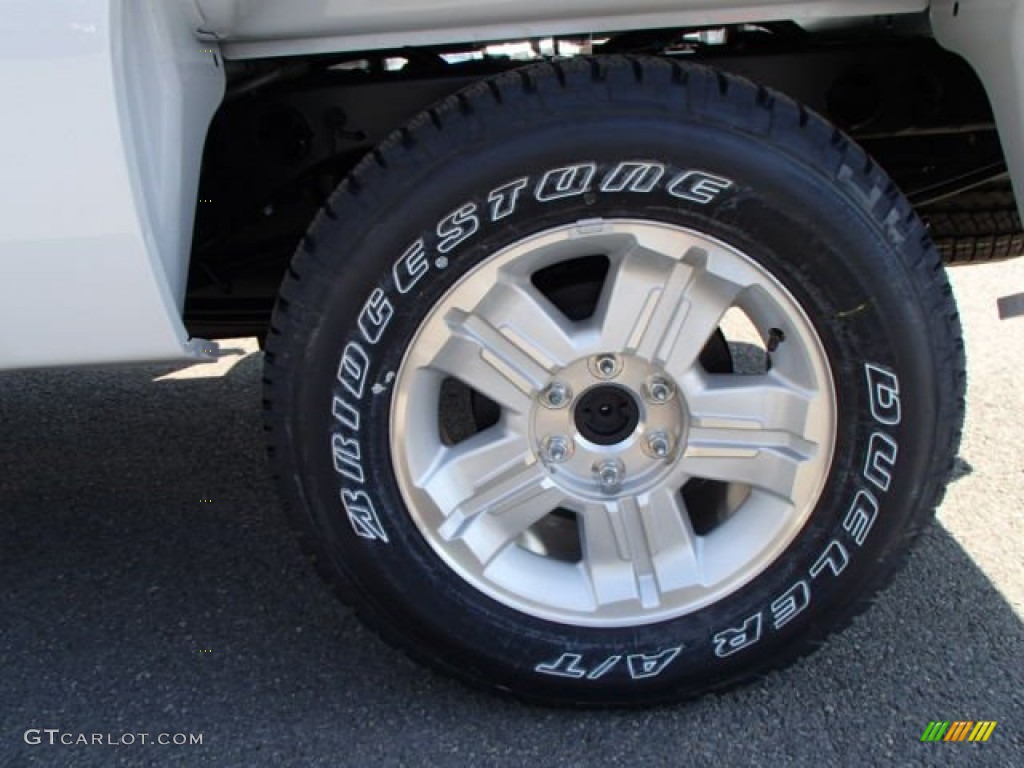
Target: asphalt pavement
column 150, row 586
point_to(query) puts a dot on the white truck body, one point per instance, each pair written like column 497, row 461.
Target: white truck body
column 107, row 104
column 249, row 28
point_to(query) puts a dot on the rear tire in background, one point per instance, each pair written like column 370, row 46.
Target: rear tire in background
column 613, row 381
column 978, row 226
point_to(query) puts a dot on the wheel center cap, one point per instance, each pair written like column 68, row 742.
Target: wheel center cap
column 607, row 414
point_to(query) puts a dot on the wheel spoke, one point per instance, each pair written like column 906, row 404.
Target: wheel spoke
column 520, row 311
column 479, row 355
column 765, row 401
column 748, row 429
column 662, row 310
column 707, row 297
column 500, row 510
column 677, row 561
column 508, row 345
column 766, row 459
column 634, row 284
column 639, row 548
column 459, row 470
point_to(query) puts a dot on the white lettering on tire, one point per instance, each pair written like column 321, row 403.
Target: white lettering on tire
column 861, row 516
column 345, row 413
column 569, row 181
column 603, row 668
column 457, row 227
column 348, row 458
column 375, row 316
column 361, row 513
column 835, row 558
column 352, row 368
column 730, row 641
column 504, row 199
column 640, row 666
column 566, row 665
column 790, row 604
column 633, row 176
column 882, row 453
column 698, row 187
column 411, row 267
column 884, row 394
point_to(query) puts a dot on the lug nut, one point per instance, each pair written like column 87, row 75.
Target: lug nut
column 660, row 389
column 557, row 395
column 556, row 449
column 659, row 445
column 606, row 366
column 609, row 474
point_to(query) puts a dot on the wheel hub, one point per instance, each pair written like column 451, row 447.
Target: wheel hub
column 600, row 437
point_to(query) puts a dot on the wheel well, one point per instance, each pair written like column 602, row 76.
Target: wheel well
column 289, row 130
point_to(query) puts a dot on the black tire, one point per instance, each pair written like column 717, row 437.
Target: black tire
column 804, row 201
column 977, row 226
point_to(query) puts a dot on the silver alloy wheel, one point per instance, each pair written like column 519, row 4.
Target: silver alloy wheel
column 604, row 421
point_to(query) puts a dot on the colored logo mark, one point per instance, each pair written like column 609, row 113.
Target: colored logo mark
column 958, row 730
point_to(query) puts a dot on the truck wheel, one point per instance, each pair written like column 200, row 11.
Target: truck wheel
column 613, row 381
